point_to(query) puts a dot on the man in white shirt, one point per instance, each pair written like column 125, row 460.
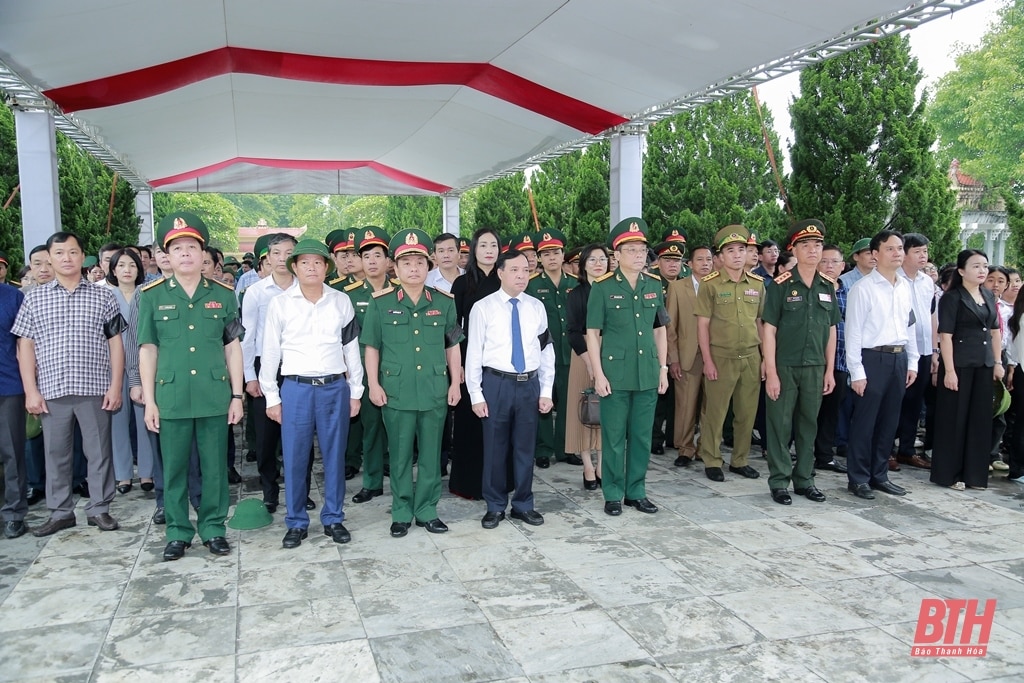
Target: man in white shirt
column 446, row 256
column 254, row 315
column 882, row 359
column 510, row 373
column 311, row 333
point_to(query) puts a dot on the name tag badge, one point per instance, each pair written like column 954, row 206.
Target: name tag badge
column 362, row 303
column 214, row 304
column 751, row 292
column 395, row 311
column 166, row 307
column 793, row 299
column 616, row 297
column 824, row 297
column 651, row 295
column 433, row 312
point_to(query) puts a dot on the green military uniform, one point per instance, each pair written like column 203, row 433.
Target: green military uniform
column 673, row 246
column 192, row 383
column 733, row 309
column 551, row 426
column 367, row 444
column 412, row 339
column 676, row 236
column 627, row 317
column 802, row 315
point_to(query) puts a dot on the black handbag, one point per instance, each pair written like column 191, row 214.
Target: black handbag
column 590, row 408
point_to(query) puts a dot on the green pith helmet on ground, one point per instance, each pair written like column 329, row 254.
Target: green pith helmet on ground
column 316, row 247
column 632, row 229
column 181, row 224
column 250, row 513
column 410, row 241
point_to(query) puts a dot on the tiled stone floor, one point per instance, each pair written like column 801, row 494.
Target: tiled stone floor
column 721, row 585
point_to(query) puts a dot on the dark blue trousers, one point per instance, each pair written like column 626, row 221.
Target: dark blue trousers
column 875, row 417
column 306, row 409
column 510, row 431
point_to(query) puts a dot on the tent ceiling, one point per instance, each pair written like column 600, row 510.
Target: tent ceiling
column 394, row 96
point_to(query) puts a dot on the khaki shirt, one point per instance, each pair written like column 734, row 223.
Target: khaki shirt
column 734, row 309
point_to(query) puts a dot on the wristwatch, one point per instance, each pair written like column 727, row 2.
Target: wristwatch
column 238, row 396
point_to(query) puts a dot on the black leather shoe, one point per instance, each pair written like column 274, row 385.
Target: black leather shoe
column 641, row 505
column 589, row 484
column 310, row 505
column 34, row 496
column 104, row 521
column 543, row 463
column 861, row 491
column 387, row 470
column 175, row 550
column 434, row 526
column 832, row 466
column 15, row 528
column 218, row 545
column 159, row 517
column 682, row 461
column 337, row 532
column 811, row 493
column 250, row 456
column 782, row 497
column 890, row 488
column 573, row 459
column 531, row 517
column 492, row 519
column 613, row 508
column 745, row 471
column 293, row 538
column 147, row 486
column 350, row 472
column 52, row 526
column 714, row 473
column 657, row 449
column 399, row 529
column 124, row 488
column 271, row 506
column 233, row 476
column 366, row 495
column 82, row 489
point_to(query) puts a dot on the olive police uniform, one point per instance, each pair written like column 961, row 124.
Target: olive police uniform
column 733, row 309
column 193, row 387
column 368, row 442
column 412, row 339
column 802, row 316
column 627, row 317
column 673, row 247
column 551, row 426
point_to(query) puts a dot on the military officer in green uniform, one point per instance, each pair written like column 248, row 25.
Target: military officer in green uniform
column 668, row 267
column 370, row 441
column 413, row 366
column 675, row 236
column 729, row 305
column 799, row 342
column 190, row 365
column 526, row 243
column 626, row 340
column 551, row 286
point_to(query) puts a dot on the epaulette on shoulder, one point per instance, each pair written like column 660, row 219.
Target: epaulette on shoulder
column 755, row 276
column 535, row 275
column 442, row 292
column 382, row 292
column 14, row 283
column 223, row 284
column 351, row 286
column 828, row 279
column 605, row 276
column 395, row 281
column 710, row 276
column 654, row 275
column 153, row 284
column 782, row 278
column 336, row 280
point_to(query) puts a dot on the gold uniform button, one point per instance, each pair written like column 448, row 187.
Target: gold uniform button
column 415, row 315
column 192, row 349
column 638, row 315
column 635, row 297
column 415, row 331
column 192, row 371
column 419, row 367
column 417, row 348
column 641, row 352
column 191, row 306
column 641, row 333
column 165, row 317
column 611, row 357
column 191, row 327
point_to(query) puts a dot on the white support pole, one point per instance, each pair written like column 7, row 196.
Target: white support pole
column 450, row 214
column 144, row 210
column 37, row 172
column 626, row 177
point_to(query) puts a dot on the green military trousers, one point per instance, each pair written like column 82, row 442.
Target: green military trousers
column 626, row 419
column 794, row 414
column 211, row 436
column 424, row 427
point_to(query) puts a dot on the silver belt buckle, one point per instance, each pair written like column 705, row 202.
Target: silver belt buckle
column 317, row 381
column 522, row 377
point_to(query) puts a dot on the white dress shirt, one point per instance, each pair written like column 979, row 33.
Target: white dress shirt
column 305, row 339
column 490, row 341
column 254, row 315
column 922, row 291
column 436, row 280
column 878, row 314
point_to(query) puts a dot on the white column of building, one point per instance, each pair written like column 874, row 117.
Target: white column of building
column 626, row 177
column 144, row 210
column 37, row 173
column 450, row 214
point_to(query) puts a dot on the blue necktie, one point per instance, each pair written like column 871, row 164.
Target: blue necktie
column 518, row 357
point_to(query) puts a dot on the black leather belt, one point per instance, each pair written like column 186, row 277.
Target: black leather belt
column 316, row 381
column 517, row 376
column 887, row 349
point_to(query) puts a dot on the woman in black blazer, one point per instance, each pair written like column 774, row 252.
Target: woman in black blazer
column 969, row 343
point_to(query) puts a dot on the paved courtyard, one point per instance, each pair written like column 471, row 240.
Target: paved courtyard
column 721, row 585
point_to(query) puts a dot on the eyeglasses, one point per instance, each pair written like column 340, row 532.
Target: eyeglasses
column 931, row 269
column 593, row 260
column 633, row 251
column 831, row 261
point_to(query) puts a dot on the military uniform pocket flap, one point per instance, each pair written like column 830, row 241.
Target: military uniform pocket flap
column 390, row 370
column 219, row 375
column 164, row 377
column 441, row 369
column 166, row 314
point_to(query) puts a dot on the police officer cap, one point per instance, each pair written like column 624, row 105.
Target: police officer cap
column 316, row 247
column 411, row 241
column 731, row 234
column 632, row 229
column 549, row 238
column 371, row 236
column 810, row 229
column 181, row 224
column 670, row 250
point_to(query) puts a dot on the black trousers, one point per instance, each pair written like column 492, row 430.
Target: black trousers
column 875, row 417
column 910, row 411
column 1016, row 461
column 828, row 419
column 268, row 438
column 963, row 428
column 510, row 432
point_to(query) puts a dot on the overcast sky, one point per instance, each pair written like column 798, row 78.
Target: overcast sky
column 934, row 44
